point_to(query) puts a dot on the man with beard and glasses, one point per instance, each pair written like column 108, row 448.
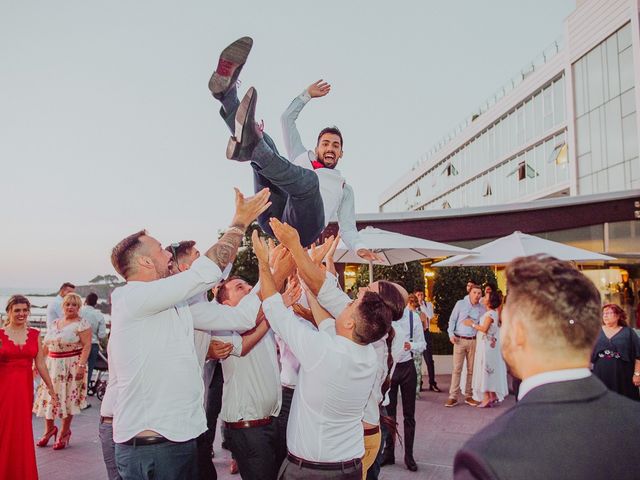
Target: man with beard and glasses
column 567, row 424
column 308, row 193
column 159, row 411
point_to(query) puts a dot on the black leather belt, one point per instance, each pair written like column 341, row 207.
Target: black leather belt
column 323, row 465
column 464, row 338
column 141, row 441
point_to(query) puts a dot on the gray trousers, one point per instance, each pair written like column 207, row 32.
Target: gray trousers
column 162, row 461
column 105, row 433
column 291, row 471
column 295, row 191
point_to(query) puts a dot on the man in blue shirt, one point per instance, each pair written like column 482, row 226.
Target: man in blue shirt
column 463, row 338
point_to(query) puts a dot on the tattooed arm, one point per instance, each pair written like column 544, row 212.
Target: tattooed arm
column 247, row 210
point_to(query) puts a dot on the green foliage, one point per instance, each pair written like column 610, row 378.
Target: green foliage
column 441, row 343
column 410, row 275
column 246, row 263
column 450, row 285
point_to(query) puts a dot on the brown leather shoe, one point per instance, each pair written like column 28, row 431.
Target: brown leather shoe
column 451, row 402
column 471, row 402
column 247, row 134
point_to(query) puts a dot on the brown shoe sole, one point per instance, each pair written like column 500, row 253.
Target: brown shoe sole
column 231, row 61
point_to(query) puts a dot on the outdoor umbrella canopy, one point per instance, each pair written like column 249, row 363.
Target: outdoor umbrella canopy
column 395, row 248
column 518, row 244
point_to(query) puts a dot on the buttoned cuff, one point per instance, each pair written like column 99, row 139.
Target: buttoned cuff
column 304, row 96
column 236, row 340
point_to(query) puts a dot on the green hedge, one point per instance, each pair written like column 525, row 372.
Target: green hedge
column 441, row 344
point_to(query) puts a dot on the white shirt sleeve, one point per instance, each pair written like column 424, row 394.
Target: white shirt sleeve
column 418, row 345
column 214, row 316
column 309, row 346
column 159, row 295
column 292, row 141
column 347, row 220
column 332, row 298
column 230, row 337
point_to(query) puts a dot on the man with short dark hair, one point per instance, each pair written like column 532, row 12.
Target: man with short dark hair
column 152, row 349
column 463, row 338
column 426, row 307
column 307, row 192
column 54, row 308
column 567, row 424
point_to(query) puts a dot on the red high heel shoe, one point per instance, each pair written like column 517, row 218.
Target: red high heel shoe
column 63, row 441
column 44, row 440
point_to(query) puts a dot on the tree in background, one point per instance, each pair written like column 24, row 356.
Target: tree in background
column 450, row 285
column 410, row 275
column 246, row 263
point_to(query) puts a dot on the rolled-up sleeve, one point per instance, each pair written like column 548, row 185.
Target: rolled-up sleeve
column 214, row 316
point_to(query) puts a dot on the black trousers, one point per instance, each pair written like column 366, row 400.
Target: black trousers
column 213, row 382
column 405, row 379
column 283, row 420
column 428, row 358
column 254, row 449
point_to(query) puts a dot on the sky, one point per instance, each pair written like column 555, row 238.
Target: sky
column 107, row 125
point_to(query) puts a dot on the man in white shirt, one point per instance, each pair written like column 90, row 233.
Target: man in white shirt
column 98, row 327
column 566, row 418
column 105, row 430
column 405, row 379
column 337, row 373
column 251, row 395
column 426, row 307
column 54, row 308
column 159, row 410
column 307, row 192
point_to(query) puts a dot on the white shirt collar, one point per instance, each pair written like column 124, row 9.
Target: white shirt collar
column 553, row 376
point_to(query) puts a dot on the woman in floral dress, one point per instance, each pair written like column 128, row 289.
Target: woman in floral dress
column 489, row 370
column 67, row 345
column 616, row 354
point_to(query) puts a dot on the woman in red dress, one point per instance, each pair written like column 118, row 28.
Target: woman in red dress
column 19, row 347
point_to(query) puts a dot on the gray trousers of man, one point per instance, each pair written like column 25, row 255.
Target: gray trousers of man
column 162, row 461
column 291, row 471
column 295, row 191
column 105, row 433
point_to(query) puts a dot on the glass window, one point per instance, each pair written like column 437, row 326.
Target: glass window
column 548, row 108
column 630, row 136
column 634, row 165
column 613, row 132
column 616, row 178
column 584, row 165
column 558, row 101
column 520, row 119
column 582, row 135
column 600, row 183
column 579, row 89
column 528, row 120
column 589, row 238
column 595, row 129
column 585, row 185
column 624, row 37
column 624, row 237
column 613, row 72
column 595, row 86
column 538, row 114
column 628, row 102
column 626, row 69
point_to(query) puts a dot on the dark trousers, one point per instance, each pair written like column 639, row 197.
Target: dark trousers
column 404, row 378
column 105, row 433
column 163, row 461
column 283, row 420
column 292, row 471
column 428, row 358
column 254, row 449
column 91, row 361
column 295, row 191
column 213, row 382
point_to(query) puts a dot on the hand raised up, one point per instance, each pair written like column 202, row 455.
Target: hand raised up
column 318, row 89
column 286, row 234
column 248, row 209
column 318, row 254
column 260, row 248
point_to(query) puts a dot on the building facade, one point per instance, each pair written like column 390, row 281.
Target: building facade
column 565, row 126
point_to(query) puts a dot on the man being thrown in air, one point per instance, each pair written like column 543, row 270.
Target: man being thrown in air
column 306, row 194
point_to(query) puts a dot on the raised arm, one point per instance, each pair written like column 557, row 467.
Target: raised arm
column 292, row 141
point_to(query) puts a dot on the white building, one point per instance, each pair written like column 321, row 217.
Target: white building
column 566, row 125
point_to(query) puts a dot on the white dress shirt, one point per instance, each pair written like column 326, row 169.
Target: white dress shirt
column 54, row 310
column 251, row 383
column 108, row 405
column 335, row 380
column 337, row 195
column 427, row 309
column 96, row 320
column 551, row 377
column 160, row 384
column 418, row 344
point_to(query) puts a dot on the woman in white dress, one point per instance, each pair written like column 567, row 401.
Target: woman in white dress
column 489, row 370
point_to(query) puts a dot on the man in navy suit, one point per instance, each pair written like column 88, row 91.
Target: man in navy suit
column 567, row 424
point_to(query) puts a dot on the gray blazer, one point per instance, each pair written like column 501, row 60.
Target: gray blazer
column 568, row 430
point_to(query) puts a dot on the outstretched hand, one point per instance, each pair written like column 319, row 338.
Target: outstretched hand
column 248, row 209
column 285, row 233
column 318, row 254
column 318, row 89
column 369, row 255
column 260, row 248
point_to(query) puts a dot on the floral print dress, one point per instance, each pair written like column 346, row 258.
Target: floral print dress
column 63, row 339
column 489, row 369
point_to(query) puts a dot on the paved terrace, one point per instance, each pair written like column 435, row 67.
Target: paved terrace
column 440, row 432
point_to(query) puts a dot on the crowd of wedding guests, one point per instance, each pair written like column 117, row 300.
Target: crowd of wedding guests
column 311, row 376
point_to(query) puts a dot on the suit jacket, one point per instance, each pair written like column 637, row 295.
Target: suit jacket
column 576, row 429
